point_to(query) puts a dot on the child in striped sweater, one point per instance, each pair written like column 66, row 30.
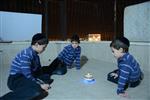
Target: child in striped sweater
column 128, row 73
column 27, row 80
column 69, row 55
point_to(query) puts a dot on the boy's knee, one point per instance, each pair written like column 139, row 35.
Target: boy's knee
column 109, row 75
column 43, row 94
column 40, row 95
column 61, row 71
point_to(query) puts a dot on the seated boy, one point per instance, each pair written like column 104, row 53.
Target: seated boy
column 128, row 73
column 69, row 55
column 26, row 80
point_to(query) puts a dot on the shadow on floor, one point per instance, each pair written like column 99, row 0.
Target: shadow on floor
column 84, row 60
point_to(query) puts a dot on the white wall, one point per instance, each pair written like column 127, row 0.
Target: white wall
column 19, row 26
column 137, row 22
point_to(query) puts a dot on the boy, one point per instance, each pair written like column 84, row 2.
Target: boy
column 128, row 73
column 27, row 80
column 67, row 56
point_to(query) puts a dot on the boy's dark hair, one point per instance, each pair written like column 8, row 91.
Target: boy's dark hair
column 39, row 38
column 120, row 42
column 75, row 37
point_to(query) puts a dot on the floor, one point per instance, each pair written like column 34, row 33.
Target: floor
column 72, row 87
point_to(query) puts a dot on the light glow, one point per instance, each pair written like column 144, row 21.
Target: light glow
column 94, row 37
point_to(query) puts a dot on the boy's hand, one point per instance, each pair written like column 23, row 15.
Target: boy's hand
column 114, row 75
column 45, row 87
column 123, row 94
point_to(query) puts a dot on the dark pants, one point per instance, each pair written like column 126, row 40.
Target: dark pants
column 115, row 80
column 57, row 67
column 25, row 89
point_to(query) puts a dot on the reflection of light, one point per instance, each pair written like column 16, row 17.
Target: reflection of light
column 89, row 81
column 94, row 37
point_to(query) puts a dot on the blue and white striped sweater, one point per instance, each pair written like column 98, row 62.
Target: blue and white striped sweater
column 26, row 63
column 129, row 71
column 70, row 55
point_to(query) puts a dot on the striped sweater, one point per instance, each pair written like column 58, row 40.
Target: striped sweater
column 70, row 55
column 26, row 63
column 129, row 71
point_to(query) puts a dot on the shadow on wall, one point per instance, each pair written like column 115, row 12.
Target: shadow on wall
column 84, row 60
